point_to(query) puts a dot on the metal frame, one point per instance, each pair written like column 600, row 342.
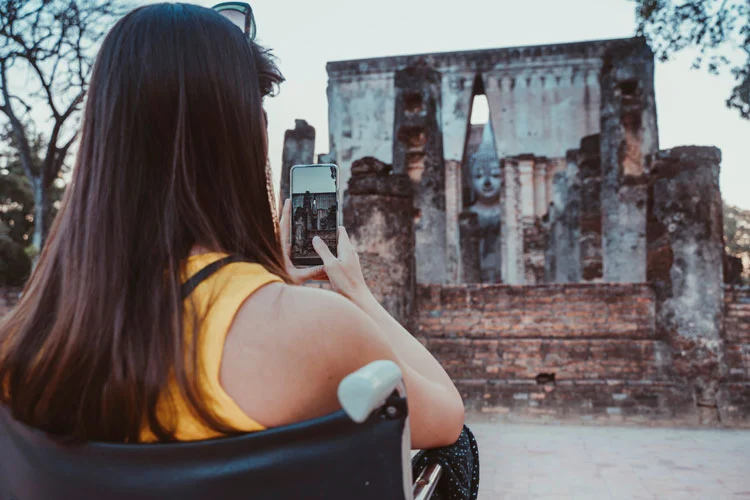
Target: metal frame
column 427, row 481
column 365, row 391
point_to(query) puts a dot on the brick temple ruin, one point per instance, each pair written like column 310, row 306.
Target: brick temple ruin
column 555, row 260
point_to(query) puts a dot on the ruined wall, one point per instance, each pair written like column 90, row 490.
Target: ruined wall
column 418, row 152
column 563, row 243
column 360, row 115
column 299, row 149
column 628, row 138
column 734, row 394
column 380, row 217
column 574, row 350
column 590, row 172
column 686, row 246
column 526, row 194
column 542, row 100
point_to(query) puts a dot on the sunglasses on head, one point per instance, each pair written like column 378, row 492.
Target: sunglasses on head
column 240, row 14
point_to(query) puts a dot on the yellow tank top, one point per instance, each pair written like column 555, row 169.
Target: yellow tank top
column 217, row 300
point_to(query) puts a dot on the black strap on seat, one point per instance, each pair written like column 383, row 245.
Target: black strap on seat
column 187, row 288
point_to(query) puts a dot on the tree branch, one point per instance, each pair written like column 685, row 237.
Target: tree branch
column 59, row 161
column 19, row 131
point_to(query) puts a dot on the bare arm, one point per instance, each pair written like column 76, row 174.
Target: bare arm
column 345, row 275
column 289, row 347
column 297, row 344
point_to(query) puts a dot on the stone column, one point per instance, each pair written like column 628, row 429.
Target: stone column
column 418, row 152
column 550, row 251
column 299, row 149
column 628, row 137
column 457, row 92
column 471, row 271
column 557, row 228
column 453, row 208
column 686, row 247
column 379, row 216
column 567, row 224
column 511, row 230
column 526, row 173
column 590, row 174
column 540, row 188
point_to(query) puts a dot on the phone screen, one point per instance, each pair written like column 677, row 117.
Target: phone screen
column 315, row 210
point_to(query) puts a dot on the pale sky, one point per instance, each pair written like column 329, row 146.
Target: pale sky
column 305, row 34
column 313, row 179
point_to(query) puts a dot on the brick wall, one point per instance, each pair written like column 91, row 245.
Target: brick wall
column 735, row 392
column 575, row 350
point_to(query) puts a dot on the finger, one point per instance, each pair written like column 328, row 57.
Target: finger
column 344, row 247
column 323, row 251
column 317, row 273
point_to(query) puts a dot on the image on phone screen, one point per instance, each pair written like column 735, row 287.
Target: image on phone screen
column 315, row 210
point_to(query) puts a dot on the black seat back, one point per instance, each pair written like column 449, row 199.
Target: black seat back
column 326, row 458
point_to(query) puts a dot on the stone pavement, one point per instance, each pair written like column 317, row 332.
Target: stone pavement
column 527, row 461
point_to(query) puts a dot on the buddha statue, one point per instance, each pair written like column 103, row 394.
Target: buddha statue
column 486, row 181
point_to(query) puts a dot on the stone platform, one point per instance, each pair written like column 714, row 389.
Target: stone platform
column 520, row 461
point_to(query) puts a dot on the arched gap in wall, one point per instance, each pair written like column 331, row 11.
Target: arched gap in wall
column 479, row 117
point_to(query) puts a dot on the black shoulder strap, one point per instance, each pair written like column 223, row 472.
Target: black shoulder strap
column 196, row 279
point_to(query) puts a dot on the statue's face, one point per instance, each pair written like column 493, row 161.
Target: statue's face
column 486, row 181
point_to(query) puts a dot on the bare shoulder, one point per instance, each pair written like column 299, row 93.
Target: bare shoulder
column 297, row 313
column 292, row 345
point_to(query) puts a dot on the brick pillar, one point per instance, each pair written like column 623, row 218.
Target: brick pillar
column 590, row 174
column 511, row 231
column 418, row 152
column 686, row 246
column 628, row 138
column 471, row 271
column 456, row 96
column 299, row 149
column 379, row 216
column 566, row 226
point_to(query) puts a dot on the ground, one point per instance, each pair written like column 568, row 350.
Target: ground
column 520, row 461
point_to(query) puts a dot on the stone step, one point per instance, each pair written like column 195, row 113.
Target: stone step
column 612, row 400
column 567, row 359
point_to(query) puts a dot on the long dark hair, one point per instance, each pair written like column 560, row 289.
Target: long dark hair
column 172, row 155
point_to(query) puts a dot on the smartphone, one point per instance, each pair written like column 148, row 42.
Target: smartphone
column 316, row 210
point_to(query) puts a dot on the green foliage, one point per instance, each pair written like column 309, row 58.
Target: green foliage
column 15, row 265
column 719, row 30
column 17, row 216
column 737, row 236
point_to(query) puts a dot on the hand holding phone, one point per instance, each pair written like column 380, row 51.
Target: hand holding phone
column 299, row 275
column 343, row 271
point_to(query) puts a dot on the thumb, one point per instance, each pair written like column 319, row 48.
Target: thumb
column 323, row 251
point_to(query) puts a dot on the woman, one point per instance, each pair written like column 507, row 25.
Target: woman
column 170, row 177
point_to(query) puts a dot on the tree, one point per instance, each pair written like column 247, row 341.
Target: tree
column 47, row 49
column 718, row 29
column 17, row 213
